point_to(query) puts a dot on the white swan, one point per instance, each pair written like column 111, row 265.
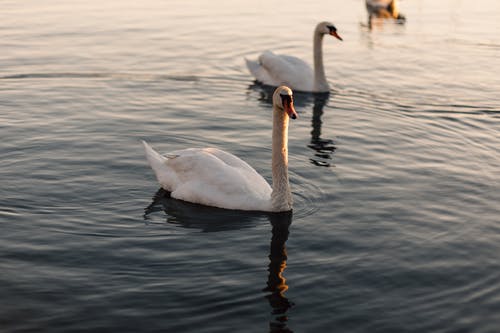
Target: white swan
column 275, row 70
column 213, row 177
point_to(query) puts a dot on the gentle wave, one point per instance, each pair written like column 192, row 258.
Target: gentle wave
column 98, row 75
column 366, row 99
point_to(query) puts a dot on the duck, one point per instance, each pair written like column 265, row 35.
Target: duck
column 275, row 70
column 384, row 9
column 213, row 177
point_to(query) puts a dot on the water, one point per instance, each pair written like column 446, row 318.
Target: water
column 395, row 174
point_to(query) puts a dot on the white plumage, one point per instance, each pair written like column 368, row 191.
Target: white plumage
column 274, row 70
column 212, row 177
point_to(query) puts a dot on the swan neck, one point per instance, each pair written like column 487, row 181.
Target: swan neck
column 281, row 196
column 320, row 83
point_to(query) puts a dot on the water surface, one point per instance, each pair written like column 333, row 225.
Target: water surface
column 395, row 172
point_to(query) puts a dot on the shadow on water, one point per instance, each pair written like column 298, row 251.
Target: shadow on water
column 194, row 216
column 210, row 219
column 323, row 148
column 276, row 282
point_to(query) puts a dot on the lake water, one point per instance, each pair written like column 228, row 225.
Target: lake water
column 395, row 174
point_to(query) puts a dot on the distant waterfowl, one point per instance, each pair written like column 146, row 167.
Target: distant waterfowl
column 274, row 70
column 213, row 177
column 384, row 9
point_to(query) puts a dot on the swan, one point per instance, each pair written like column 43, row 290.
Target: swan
column 274, row 70
column 213, row 177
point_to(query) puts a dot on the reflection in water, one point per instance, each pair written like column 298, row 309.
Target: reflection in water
column 210, row 219
column 324, row 148
column 265, row 94
column 194, row 216
column 276, row 282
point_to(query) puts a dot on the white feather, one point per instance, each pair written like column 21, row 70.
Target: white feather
column 274, row 70
column 211, row 177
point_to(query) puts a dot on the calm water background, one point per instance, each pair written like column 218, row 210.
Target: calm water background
column 395, row 174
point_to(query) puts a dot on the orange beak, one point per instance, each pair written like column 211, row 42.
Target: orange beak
column 336, row 35
column 290, row 110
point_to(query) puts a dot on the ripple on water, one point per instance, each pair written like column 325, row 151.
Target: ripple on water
column 307, row 196
column 401, row 235
column 165, row 209
column 100, row 75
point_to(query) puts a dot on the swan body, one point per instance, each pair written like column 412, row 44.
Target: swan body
column 274, row 70
column 213, row 177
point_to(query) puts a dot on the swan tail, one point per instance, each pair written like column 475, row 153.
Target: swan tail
column 253, row 66
column 159, row 166
column 258, row 71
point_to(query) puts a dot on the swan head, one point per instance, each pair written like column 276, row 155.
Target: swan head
column 327, row 28
column 283, row 100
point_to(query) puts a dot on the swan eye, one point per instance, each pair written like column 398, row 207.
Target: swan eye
column 331, row 28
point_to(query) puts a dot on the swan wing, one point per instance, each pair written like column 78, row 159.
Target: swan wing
column 278, row 70
column 212, row 177
column 231, row 160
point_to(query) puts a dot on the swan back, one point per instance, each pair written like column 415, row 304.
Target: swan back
column 212, row 177
column 274, row 70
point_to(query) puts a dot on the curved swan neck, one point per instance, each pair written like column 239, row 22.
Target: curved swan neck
column 320, row 83
column 281, row 196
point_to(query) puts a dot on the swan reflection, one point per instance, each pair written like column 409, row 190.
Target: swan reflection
column 276, row 282
column 323, row 148
column 210, row 219
column 265, row 95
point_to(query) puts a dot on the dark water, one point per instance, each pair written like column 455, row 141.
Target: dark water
column 395, row 173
